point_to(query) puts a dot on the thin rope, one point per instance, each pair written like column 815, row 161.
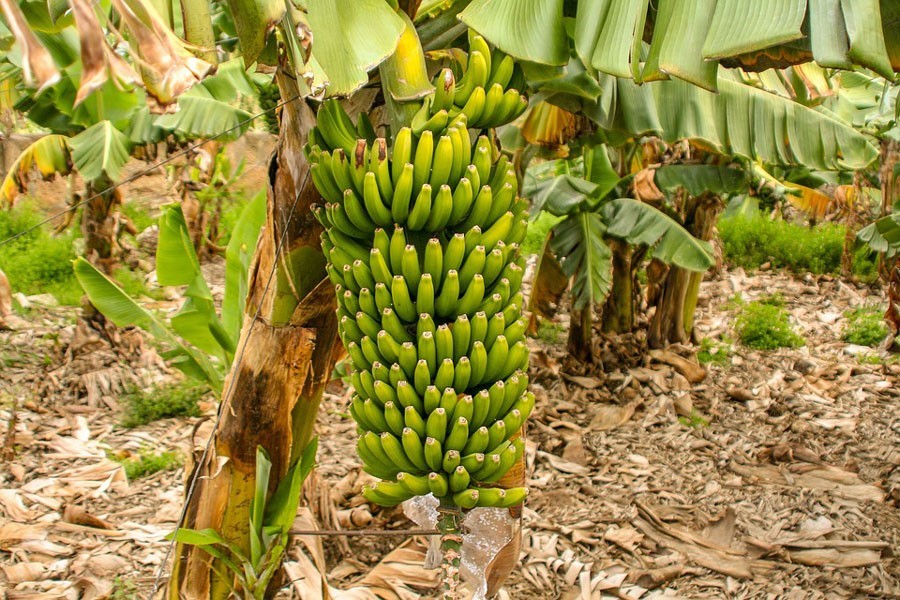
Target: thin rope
column 364, row 532
column 144, row 172
column 227, row 396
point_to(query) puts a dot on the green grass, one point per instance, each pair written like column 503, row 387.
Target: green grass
column 765, row 326
column 141, row 216
column 148, row 462
column 865, row 326
column 176, row 400
column 713, row 351
column 695, row 421
column 751, row 242
column 134, row 284
column 537, row 232
column 123, row 589
column 38, row 262
column 549, row 332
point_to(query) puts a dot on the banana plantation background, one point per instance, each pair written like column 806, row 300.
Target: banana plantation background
column 449, row 298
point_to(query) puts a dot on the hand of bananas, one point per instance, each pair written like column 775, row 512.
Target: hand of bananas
column 422, row 240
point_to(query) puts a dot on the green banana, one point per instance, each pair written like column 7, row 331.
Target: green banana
column 430, row 311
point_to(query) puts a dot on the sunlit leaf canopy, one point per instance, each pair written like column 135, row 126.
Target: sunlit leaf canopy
column 688, row 38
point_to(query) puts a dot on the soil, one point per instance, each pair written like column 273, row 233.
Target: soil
column 762, row 475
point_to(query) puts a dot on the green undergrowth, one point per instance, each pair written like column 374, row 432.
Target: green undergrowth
column 694, row 421
column 38, row 262
column 865, row 326
column 549, row 332
column 713, row 351
column 148, row 462
column 140, row 407
column 752, row 242
column 764, row 325
column 124, row 589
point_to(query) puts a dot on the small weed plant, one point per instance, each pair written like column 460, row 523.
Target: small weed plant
column 865, row 326
column 766, row 326
column 694, row 421
column 549, row 332
column 147, row 463
column 714, row 352
column 177, row 400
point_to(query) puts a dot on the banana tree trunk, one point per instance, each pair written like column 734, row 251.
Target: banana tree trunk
column 581, row 324
column 273, row 391
column 673, row 321
column 100, row 224
column 618, row 312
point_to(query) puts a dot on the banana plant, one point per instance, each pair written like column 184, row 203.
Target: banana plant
column 601, row 238
column 197, row 340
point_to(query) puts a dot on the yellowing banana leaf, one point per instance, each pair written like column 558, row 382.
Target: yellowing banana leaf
column 351, row 39
column 549, row 125
column 49, row 156
column 100, row 151
column 167, row 67
column 530, row 30
column 578, row 243
column 99, row 62
column 739, row 27
column 810, row 201
column 639, row 223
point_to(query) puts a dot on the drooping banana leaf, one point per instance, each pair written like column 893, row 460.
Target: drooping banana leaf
column 48, row 156
column 351, row 39
column 530, row 30
column 883, row 235
column 122, row 310
column 177, row 264
column 740, row 121
column 638, row 223
column 585, row 257
column 697, row 179
column 238, row 255
column 100, row 151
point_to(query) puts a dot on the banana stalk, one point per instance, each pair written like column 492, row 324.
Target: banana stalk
column 423, row 241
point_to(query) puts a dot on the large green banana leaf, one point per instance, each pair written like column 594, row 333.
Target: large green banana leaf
column 739, row 121
column 351, row 39
column 177, row 264
column 238, row 255
column 639, row 224
column 689, row 38
column 122, row 310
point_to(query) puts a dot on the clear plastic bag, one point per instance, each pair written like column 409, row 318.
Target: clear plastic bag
column 485, row 532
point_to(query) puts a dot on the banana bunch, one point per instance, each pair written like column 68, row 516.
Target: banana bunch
column 422, row 240
column 487, row 91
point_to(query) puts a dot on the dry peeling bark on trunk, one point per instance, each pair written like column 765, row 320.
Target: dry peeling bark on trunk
column 281, row 375
column 101, row 225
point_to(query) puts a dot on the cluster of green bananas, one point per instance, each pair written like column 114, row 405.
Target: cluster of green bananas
column 422, row 241
column 488, row 91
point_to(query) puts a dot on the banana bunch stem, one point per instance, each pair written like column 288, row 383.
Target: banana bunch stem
column 451, row 549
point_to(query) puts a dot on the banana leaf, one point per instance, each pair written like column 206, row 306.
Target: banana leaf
column 638, row 223
column 100, row 151
column 578, row 242
column 122, row 310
